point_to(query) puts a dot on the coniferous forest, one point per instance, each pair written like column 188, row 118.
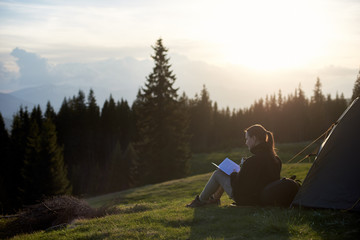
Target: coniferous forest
column 85, row 149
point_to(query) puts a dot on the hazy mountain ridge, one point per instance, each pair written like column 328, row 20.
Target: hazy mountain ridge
column 10, row 104
column 39, row 81
column 29, row 97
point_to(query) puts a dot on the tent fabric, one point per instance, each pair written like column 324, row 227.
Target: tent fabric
column 333, row 181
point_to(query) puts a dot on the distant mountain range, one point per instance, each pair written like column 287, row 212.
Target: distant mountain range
column 9, row 105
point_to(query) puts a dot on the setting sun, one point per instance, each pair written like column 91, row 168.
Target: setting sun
column 276, row 35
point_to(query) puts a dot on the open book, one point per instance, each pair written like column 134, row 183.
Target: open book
column 228, row 166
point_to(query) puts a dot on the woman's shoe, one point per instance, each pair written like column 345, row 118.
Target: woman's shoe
column 214, row 201
column 196, row 203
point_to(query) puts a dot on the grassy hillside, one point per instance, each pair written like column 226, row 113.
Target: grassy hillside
column 158, row 212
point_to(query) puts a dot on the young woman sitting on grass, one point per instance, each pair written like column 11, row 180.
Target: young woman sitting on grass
column 256, row 172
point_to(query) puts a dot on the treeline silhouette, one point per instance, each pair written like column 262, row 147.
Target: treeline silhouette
column 87, row 150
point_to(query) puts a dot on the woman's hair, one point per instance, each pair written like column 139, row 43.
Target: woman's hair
column 262, row 135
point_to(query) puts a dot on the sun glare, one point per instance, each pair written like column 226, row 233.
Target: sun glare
column 271, row 34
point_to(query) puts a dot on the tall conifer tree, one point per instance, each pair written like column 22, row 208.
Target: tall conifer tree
column 33, row 169
column 356, row 89
column 4, row 161
column 15, row 182
column 162, row 123
column 50, row 112
column 201, row 121
column 44, row 171
column 318, row 122
column 57, row 180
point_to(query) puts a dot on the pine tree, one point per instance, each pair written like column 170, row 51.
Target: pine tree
column 280, row 100
column 14, row 178
column 162, row 123
column 318, row 97
column 50, row 112
column 109, row 129
column 109, row 150
column 52, row 153
column 122, row 170
column 4, row 161
column 130, row 159
column 356, row 89
column 201, row 122
column 72, row 125
column 33, row 169
column 62, row 122
column 44, row 171
column 317, row 112
column 36, row 115
column 91, row 134
column 115, row 176
column 299, row 116
column 125, row 123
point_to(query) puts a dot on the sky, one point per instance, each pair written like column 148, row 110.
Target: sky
column 241, row 50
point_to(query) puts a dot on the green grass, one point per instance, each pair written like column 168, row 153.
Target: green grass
column 158, row 212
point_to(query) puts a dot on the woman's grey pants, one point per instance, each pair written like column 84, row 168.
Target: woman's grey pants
column 217, row 180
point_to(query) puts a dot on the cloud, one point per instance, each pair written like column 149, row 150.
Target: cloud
column 5, row 75
column 115, row 74
column 34, row 70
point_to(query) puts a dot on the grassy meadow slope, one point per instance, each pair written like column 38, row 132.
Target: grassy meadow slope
column 158, row 212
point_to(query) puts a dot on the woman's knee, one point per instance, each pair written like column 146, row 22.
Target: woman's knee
column 220, row 175
column 217, row 172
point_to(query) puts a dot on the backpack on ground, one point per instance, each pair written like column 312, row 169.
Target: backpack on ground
column 280, row 192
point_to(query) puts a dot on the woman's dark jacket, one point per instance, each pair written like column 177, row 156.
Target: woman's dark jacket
column 256, row 172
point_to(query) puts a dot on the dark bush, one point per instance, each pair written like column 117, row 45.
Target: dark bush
column 52, row 213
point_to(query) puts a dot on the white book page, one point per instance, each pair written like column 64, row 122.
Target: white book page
column 228, row 166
